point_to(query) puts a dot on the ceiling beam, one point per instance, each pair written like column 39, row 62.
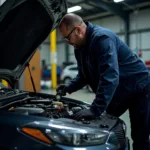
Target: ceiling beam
column 87, row 11
column 111, row 7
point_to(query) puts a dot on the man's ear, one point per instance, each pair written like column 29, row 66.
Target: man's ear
column 78, row 30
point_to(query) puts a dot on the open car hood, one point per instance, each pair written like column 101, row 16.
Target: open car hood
column 24, row 25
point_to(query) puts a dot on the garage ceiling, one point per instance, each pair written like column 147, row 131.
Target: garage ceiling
column 92, row 9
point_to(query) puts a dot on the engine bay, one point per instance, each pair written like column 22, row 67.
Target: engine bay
column 51, row 106
column 37, row 104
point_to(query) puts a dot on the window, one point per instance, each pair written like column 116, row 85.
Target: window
column 74, row 68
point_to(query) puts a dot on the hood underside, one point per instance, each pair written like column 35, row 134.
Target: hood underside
column 23, row 28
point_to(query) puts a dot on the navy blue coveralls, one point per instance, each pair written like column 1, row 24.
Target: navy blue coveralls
column 118, row 78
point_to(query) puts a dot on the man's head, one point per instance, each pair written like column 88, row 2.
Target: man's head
column 73, row 30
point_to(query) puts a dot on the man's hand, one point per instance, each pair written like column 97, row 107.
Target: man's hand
column 62, row 89
column 84, row 113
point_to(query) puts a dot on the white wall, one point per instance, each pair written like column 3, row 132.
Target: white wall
column 71, row 54
column 140, row 20
column 145, row 40
column 60, row 53
column 60, row 48
column 45, row 53
column 113, row 23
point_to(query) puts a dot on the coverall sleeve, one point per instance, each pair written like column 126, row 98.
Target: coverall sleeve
column 79, row 81
column 107, row 58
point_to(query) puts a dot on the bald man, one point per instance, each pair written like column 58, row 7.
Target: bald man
column 116, row 75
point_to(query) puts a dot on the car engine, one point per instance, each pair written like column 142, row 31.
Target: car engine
column 32, row 104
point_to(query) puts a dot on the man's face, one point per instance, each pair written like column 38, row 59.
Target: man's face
column 72, row 36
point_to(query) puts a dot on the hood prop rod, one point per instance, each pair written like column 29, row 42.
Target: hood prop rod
column 28, row 65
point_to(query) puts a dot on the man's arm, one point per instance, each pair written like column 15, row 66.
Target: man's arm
column 107, row 58
column 77, row 83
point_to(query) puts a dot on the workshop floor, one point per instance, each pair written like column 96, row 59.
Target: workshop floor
column 87, row 96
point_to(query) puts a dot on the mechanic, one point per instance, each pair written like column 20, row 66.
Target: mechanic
column 116, row 75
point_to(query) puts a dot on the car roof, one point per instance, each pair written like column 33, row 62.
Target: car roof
column 70, row 66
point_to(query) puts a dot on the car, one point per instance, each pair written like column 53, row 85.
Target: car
column 46, row 73
column 68, row 73
column 39, row 121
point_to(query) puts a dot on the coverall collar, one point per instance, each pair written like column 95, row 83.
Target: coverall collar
column 89, row 31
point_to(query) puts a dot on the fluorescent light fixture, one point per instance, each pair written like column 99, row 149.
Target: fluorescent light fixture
column 2, row 1
column 75, row 8
column 117, row 1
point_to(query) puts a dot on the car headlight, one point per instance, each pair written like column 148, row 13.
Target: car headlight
column 65, row 133
column 76, row 136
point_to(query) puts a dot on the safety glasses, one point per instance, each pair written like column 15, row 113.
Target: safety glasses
column 67, row 38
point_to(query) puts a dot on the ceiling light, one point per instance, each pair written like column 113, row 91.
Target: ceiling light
column 117, row 1
column 75, row 8
column 2, row 1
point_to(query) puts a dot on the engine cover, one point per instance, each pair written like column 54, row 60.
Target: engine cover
column 30, row 111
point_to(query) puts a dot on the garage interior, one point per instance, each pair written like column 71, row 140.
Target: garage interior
column 129, row 19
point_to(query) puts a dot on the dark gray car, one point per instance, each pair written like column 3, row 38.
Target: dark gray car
column 35, row 121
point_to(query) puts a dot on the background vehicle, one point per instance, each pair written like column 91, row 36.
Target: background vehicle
column 69, row 73
column 46, row 73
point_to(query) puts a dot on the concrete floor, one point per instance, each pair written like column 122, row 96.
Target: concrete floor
column 86, row 96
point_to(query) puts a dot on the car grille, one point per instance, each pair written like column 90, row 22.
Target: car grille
column 118, row 130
